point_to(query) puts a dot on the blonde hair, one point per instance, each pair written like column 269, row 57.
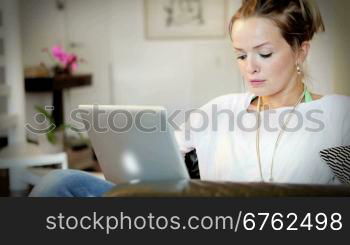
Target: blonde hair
column 298, row 20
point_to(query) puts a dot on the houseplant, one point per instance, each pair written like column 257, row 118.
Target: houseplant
column 53, row 139
column 65, row 63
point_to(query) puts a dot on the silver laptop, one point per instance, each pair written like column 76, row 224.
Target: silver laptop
column 133, row 143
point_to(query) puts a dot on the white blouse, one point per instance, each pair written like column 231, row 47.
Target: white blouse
column 226, row 143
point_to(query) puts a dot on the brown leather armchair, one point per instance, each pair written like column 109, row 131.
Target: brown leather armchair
column 198, row 188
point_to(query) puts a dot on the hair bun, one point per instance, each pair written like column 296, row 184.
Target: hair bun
column 298, row 20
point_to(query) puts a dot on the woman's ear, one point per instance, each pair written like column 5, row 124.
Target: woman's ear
column 303, row 51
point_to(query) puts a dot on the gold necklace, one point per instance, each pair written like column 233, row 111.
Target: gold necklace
column 278, row 137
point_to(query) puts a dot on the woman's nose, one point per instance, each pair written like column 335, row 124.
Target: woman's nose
column 252, row 66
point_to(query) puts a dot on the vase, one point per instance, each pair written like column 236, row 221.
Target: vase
column 59, row 71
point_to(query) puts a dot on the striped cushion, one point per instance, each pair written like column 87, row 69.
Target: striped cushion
column 338, row 159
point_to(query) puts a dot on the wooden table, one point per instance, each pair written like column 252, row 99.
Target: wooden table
column 56, row 85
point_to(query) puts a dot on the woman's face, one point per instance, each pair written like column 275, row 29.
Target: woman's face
column 265, row 59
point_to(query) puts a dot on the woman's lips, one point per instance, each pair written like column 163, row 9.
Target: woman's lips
column 257, row 83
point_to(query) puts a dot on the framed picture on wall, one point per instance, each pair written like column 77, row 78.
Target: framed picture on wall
column 169, row 19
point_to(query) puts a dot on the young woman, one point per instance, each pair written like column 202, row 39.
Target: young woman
column 273, row 133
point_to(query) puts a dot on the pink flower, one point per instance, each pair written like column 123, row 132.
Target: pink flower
column 69, row 61
column 72, row 61
column 59, row 54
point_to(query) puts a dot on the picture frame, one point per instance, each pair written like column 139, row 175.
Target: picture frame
column 185, row 19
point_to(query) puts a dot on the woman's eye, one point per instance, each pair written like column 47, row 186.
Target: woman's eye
column 266, row 55
column 241, row 57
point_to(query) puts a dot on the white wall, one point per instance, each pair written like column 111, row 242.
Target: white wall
column 342, row 49
column 128, row 69
column 175, row 73
column 320, row 63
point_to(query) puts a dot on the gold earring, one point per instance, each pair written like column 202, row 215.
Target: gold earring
column 298, row 69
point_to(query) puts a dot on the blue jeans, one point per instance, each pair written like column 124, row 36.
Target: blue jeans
column 70, row 183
